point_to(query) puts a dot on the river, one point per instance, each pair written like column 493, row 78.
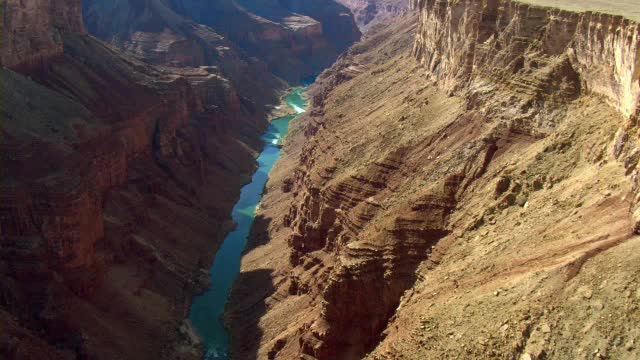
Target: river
column 207, row 309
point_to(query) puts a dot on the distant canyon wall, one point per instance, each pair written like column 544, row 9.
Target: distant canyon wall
column 291, row 40
column 31, row 29
column 117, row 186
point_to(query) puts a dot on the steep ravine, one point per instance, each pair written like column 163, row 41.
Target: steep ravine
column 119, row 173
column 464, row 185
column 205, row 314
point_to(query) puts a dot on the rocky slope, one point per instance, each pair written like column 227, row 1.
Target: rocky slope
column 117, row 184
column 370, row 12
column 464, row 186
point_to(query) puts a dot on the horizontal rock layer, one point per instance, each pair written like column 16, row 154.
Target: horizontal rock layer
column 457, row 189
column 513, row 44
column 31, row 29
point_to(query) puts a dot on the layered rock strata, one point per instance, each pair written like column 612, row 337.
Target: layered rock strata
column 516, row 44
column 460, row 188
column 292, row 40
column 154, row 32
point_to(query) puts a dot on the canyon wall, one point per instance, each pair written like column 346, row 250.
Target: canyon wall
column 369, row 12
column 472, row 43
column 292, row 40
column 34, row 27
column 118, row 181
column 154, row 32
column 464, row 184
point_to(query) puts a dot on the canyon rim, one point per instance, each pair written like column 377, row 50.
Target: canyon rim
column 462, row 184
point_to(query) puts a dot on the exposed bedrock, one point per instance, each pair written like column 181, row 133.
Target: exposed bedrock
column 450, row 173
column 533, row 55
column 475, row 44
column 34, row 27
column 154, row 32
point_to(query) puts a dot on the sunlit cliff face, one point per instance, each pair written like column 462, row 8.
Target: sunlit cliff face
column 499, row 41
column 447, row 195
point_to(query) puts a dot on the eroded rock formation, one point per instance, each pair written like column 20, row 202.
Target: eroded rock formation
column 513, row 43
column 33, row 29
column 462, row 186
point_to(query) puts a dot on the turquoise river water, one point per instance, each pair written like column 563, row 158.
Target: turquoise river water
column 207, row 309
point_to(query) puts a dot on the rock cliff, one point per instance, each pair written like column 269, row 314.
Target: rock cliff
column 118, row 181
column 465, row 184
column 32, row 29
column 502, row 42
column 154, row 32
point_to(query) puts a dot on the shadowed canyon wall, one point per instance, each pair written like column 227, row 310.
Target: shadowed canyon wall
column 107, row 208
column 465, row 184
column 370, row 12
column 153, row 31
column 292, row 40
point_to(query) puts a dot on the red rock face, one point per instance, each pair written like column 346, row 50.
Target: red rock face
column 29, row 38
column 118, row 184
column 372, row 265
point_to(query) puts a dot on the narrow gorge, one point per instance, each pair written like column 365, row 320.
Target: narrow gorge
column 128, row 129
column 461, row 179
column 207, row 309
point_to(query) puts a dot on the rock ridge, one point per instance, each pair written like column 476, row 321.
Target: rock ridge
column 469, row 44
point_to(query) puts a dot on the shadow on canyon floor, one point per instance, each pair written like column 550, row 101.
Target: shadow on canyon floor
column 249, row 306
column 247, row 303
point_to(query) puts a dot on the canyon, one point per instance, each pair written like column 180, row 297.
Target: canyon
column 122, row 160
column 464, row 182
